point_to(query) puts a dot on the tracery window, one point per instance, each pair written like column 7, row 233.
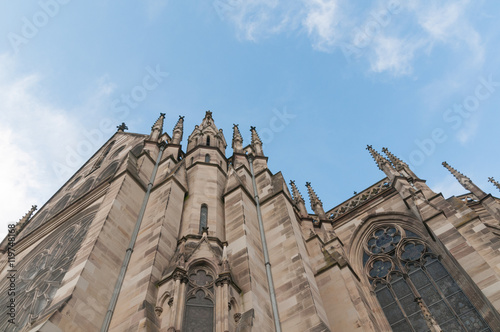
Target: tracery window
column 203, row 217
column 410, row 284
column 199, row 313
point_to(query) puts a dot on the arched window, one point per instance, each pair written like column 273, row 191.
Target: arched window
column 103, row 155
column 192, row 160
column 203, row 217
column 410, row 283
column 199, row 313
column 207, row 158
column 208, row 140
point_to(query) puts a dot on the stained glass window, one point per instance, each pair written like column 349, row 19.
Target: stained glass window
column 199, row 313
column 409, row 279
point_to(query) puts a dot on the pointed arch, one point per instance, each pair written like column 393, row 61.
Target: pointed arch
column 413, row 280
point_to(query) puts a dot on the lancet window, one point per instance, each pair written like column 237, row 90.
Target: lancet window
column 203, row 217
column 413, row 287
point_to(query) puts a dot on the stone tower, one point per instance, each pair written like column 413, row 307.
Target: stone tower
column 149, row 237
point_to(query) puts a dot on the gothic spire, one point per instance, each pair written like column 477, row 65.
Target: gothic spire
column 495, row 183
column 316, row 203
column 256, row 142
column 298, row 200
column 157, row 128
column 237, row 140
column 382, row 163
column 465, row 181
column 178, row 131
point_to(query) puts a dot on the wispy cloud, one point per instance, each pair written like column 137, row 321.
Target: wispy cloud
column 378, row 34
column 28, row 141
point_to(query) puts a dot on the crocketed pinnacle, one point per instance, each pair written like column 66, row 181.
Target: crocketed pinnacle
column 237, row 139
column 256, row 142
column 178, row 131
column 396, row 162
column 158, row 125
column 157, row 128
column 297, row 197
column 495, row 183
column 465, row 181
column 379, row 159
column 255, row 136
column 316, row 203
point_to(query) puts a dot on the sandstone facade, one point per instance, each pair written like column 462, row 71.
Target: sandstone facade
column 149, row 237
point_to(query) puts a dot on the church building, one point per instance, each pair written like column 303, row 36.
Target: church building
column 148, row 236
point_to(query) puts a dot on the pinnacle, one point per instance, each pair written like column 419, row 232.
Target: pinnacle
column 312, row 195
column 236, row 133
column 396, row 162
column 179, row 123
column 379, row 159
column 495, row 183
column 159, row 122
column 255, row 136
column 295, row 191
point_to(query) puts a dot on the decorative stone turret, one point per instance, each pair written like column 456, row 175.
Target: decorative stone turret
column 316, row 203
column 178, row 131
column 298, row 200
column 157, row 128
column 256, row 142
column 237, row 140
column 207, row 134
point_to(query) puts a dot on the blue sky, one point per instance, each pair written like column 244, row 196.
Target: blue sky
column 320, row 79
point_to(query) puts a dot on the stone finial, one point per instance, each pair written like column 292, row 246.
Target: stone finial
column 316, row 203
column 24, row 220
column 237, row 140
column 178, row 131
column 122, row 127
column 495, row 183
column 465, row 181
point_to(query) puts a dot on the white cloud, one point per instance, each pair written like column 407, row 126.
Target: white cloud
column 29, row 142
column 378, row 32
column 321, row 21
